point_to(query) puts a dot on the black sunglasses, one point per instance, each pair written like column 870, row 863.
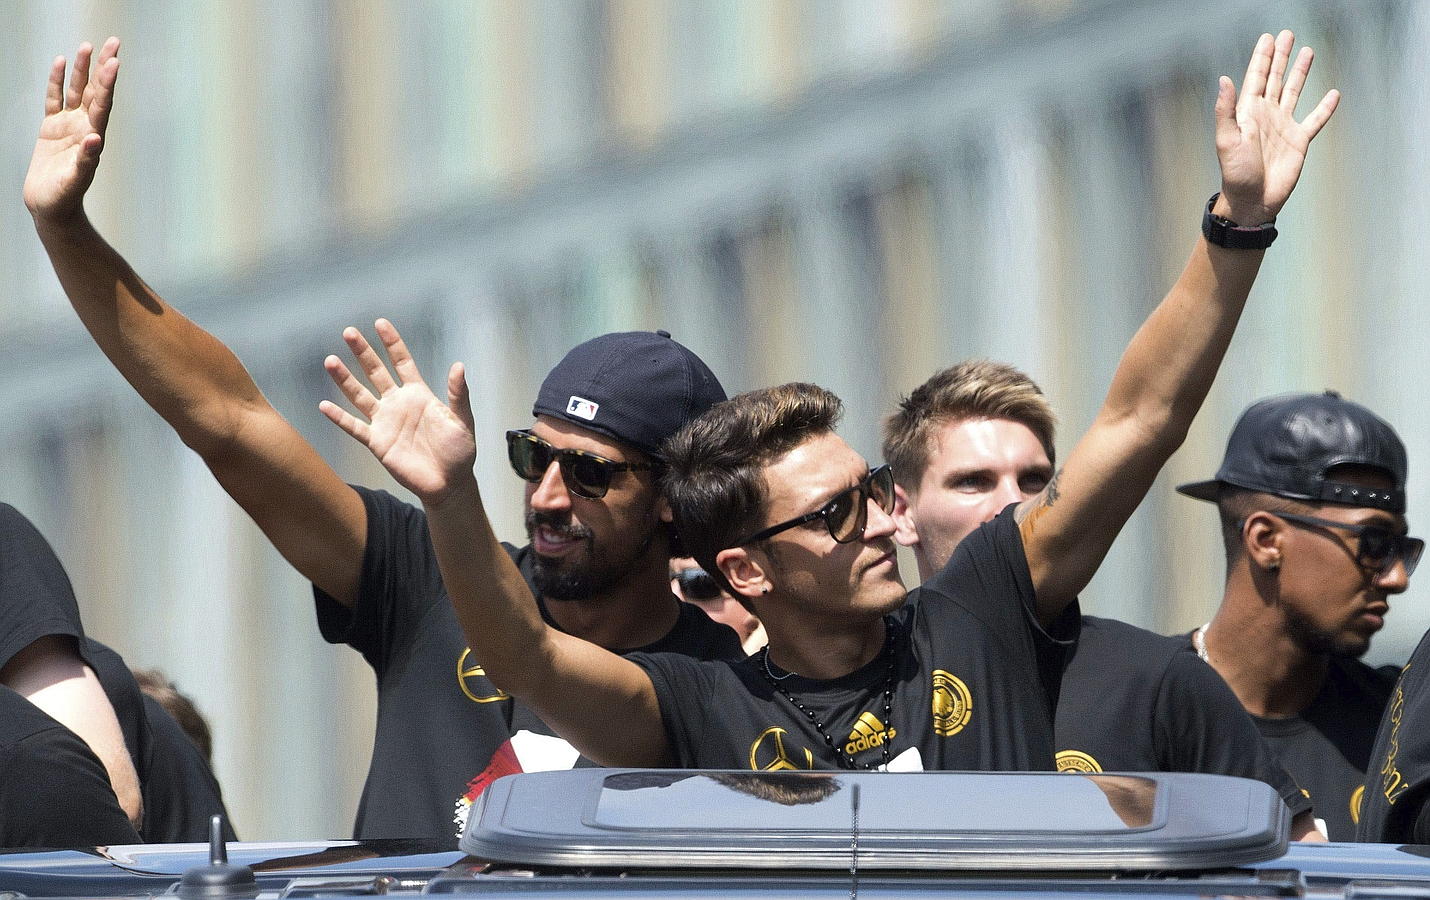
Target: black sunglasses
column 696, row 584
column 1377, row 547
column 584, row 474
column 847, row 511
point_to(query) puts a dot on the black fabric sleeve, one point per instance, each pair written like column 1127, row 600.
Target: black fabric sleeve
column 684, row 693
column 397, row 559
column 36, row 597
column 1200, row 726
column 54, row 793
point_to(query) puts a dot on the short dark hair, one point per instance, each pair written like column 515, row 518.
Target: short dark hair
column 714, row 476
column 976, row 389
column 1234, row 504
column 159, row 688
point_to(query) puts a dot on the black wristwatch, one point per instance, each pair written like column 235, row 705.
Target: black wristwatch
column 1228, row 234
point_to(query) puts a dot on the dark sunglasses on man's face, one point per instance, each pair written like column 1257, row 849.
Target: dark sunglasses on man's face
column 584, row 474
column 1377, row 547
column 847, row 512
column 696, row 584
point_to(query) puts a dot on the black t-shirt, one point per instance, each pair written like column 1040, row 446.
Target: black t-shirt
column 37, row 600
column 1327, row 747
column 1135, row 701
column 444, row 731
column 1397, row 781
column 54, row 791
column 972, row 684
column 181, row 793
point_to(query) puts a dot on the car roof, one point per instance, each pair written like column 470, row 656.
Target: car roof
column 599, row 833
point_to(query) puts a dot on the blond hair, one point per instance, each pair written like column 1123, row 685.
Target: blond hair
column 976, row 389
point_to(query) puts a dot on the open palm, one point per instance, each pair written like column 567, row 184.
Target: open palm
column 1260, row 145
column 72, row 134
column 424, row 443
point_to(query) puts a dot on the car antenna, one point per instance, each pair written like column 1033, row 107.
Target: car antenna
column 218, row 880
column 854, row 840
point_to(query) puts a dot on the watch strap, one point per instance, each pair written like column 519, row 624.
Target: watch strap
column 1226, row 233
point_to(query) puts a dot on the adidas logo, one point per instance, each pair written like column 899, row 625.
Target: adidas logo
column 868, row 733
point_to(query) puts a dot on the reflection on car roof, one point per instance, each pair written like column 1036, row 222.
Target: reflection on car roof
column 832, row 820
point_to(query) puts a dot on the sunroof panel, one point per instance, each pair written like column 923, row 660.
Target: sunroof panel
column 931, row 820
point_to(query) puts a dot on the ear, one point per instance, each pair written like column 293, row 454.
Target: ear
column 746, row 576
column 906, row 531
column 1261, row 537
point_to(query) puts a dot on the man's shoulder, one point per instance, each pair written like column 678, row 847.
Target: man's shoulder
column 684, row 673
column 1124, row 638
column 995, row 544
column 1118, row 656
column 697, row 635
column 1356, row 676
column 380, row 504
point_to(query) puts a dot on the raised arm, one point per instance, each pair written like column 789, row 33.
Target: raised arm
column 1170, row 364
column 189, row 377
column 603, row 704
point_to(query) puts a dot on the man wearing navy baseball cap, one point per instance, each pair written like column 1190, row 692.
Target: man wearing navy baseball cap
column 1311, row 497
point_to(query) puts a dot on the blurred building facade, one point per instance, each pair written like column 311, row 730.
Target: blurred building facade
column 840, row 191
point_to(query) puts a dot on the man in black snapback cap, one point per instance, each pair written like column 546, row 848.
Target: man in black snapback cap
column 1311, row 496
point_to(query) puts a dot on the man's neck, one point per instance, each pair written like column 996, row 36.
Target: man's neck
column 1249, row 646
column 636, row 612
column 814, row 651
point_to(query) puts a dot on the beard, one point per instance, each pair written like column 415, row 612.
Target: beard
column 1323, row 642
column 591, row 571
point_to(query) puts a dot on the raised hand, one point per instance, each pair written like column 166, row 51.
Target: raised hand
column 424, row 443
column 1260, row 144
column 72, row 133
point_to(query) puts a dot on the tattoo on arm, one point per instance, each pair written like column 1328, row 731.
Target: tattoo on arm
column 1051, row 493
column 1031, row 508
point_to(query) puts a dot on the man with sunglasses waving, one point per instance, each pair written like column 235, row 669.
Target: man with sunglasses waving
column 796, row 523
column 1311, row 496
column 600, row 544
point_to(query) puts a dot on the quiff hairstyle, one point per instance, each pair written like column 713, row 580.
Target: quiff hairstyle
column 714, row 476
column 976, row 389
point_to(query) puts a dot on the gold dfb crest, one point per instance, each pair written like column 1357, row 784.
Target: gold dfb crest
column 952, row 704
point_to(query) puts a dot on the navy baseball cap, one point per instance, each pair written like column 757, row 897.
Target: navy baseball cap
column 638, row 387
column 1285, row 445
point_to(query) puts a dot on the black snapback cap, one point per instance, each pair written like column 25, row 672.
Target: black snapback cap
column 638, row 387
column 1286, row 445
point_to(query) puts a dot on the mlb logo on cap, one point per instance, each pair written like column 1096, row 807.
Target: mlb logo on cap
column 580, row 406
column 642, row 385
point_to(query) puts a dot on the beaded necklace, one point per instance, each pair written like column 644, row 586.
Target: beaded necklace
column 844, row 756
